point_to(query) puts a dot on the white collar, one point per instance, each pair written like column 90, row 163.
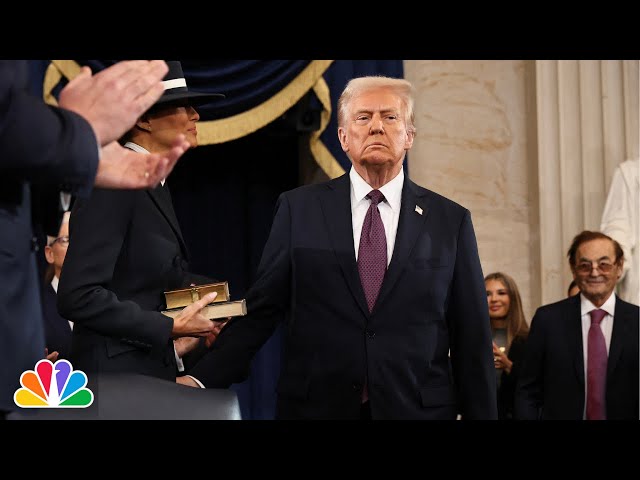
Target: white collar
column 392, row 190
column 609, row 306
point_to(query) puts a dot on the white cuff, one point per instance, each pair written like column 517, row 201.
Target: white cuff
column 196, row 380
column 65, row 201
column 178, row 359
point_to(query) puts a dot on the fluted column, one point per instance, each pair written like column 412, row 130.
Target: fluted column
column 587, row 123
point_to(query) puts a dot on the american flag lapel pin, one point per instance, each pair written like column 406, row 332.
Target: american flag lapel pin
column 418, row 209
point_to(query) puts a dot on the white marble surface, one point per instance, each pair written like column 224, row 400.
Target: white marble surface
column 471, row 146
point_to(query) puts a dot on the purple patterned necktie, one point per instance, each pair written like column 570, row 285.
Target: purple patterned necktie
column 596, row 368
column 372, row 253
column 372, row 258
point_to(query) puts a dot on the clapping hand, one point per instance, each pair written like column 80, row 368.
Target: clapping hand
column 114, row 98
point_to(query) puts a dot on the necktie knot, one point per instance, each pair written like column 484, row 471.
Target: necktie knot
column 597, row 316
column 376, row 196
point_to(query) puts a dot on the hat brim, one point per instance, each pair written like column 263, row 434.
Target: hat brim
column 194, row 98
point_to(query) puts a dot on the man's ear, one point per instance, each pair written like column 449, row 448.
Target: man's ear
column 342, row 137
column 48, row 254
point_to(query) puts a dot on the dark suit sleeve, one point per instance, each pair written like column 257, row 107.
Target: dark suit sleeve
column 528, row 392
column 470, row 331
column 98, row 228
column 230, row 357
column 40, row 143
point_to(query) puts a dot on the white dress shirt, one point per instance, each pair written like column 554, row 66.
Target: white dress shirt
column 54, row 284
column 389, row 209
column 606, row 325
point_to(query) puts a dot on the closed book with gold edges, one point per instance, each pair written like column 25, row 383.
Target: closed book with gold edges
column 186, row 296
column 216, row 310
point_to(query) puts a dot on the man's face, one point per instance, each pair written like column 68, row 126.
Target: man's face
column 596, row 284
column 375, row 132
column 56, row 252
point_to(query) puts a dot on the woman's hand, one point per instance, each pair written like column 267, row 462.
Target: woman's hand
column 500, row 359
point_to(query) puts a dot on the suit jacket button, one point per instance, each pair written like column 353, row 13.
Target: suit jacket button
column 371, row 334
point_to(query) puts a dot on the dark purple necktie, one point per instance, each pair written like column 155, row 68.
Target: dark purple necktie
column 372, row 253
column 596, row 368
column 372, row 258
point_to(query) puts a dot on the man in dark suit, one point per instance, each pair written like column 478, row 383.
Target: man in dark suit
column 358, row 345
column 127, row 250
column 73, row 146
column 581, row 357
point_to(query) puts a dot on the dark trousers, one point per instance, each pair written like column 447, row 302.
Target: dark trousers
column 365, row 411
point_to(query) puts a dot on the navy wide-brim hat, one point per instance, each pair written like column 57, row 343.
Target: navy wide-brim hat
column 175, row 88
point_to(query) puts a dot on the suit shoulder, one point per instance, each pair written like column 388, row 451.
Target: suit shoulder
column 432, row 196
column 630, row 307
column 305, row 191
column 557, row 308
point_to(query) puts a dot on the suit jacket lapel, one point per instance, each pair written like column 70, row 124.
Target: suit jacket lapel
column 618, row 334
column 162, row 198
column 336, row 207
column 410, row 224
column 574, row 333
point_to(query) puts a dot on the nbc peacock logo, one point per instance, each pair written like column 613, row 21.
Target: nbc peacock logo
column 53, row 386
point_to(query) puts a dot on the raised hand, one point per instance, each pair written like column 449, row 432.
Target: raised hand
column 114, row 98
column 121, row 167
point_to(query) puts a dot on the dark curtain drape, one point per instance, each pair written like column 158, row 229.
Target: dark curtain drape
column 224, row 193
column 246, row 83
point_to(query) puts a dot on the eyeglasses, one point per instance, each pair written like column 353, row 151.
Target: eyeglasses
column 63, row 240
column 587, row 267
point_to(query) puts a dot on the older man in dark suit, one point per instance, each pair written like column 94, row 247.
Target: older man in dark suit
column 581, row 357
column 73, row 147
column 378, row 279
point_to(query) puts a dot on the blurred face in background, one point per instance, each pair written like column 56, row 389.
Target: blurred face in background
column 497, row 298
column 56, row 251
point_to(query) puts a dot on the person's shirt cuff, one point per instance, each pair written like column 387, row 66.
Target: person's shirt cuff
column 196, row 380
column 180, row 364
column 65, row 201
column 178, row 359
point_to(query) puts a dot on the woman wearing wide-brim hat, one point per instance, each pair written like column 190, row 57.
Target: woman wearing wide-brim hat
column 127, row 250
